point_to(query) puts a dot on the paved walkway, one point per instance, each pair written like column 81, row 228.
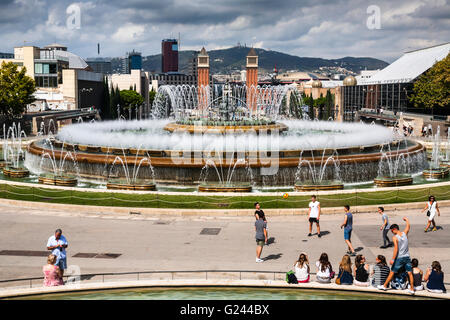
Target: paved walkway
column 176, row 243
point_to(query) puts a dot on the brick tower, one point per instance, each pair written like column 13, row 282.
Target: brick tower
column 252, row 79
column 202, row 78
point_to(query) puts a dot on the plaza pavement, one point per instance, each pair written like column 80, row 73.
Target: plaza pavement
column 152, row 242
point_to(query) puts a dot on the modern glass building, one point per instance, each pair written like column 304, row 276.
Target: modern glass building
column 390, row 89
column 100, row 65
column 169, row 55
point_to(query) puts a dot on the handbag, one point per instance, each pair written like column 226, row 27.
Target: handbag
column 428, row 213
column 338, row 279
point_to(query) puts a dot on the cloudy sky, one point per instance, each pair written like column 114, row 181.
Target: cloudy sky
column 318, row 28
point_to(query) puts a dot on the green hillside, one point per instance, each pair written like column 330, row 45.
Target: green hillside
column 226, row 60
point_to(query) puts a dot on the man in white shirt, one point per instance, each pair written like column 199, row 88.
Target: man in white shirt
column 314, row 215
column 58, row 245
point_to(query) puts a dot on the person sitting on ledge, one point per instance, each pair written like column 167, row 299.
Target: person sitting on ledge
column 302, row 268
column 361, row 272
column 52, row 273
column 435, row 278
column 380, row 271
column 400, row 280
column 324, row 269
column 417, row 275
column 345, row 271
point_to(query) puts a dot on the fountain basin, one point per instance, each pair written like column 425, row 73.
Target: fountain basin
column 323, row 185
column 399, row 180
column 58, row 180
column 15, row 172
column 88, row 148
column 118, row 151
column 225, row 187
column 204, row 128
column 4, row 163
column 120, row 184
column 436, row 173
column 178, row 166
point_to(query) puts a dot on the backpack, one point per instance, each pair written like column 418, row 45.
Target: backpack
column 291, row 278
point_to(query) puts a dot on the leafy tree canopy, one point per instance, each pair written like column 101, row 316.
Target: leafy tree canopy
column 130, row 98
column 16, row 90
column 432, row 89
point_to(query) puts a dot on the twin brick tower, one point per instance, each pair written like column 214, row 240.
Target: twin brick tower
column 203, row 77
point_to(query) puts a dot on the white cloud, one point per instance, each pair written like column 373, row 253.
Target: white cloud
column 129, row 33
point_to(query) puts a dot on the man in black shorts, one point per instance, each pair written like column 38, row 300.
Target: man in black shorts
column 314, row 215
column 261, row 237
column 260, row 214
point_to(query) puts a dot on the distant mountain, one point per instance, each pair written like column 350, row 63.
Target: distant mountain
column 227, row 60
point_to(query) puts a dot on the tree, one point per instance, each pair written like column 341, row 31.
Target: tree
column 105, row 111
column 16, row 90
column 432, row 89
column 319, row 103
column 329, row 103
column 130, row 99
column 115, row 101
column 311, row 107
column 151, row 97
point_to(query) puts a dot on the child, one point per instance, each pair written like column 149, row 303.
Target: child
column 302, row 268
column 345, row 271
column 435, row 278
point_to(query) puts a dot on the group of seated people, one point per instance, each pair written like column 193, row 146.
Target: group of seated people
column 364, row 275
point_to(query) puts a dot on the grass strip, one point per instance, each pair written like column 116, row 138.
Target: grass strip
column 193, row 201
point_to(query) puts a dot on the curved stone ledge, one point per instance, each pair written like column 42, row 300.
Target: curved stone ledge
column 266, row 128
column 196, row 283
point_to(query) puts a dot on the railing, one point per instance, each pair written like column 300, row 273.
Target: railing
column 138, row 276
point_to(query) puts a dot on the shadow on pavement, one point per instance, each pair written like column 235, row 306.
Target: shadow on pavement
column 273, row 256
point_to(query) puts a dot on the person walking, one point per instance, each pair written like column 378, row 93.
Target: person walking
column 58, row 244
column 314, row 215
column 261, row 237
column 348, row 227
column 431, row 207
column 260, row 213
column 400, row 256
column 384, row 228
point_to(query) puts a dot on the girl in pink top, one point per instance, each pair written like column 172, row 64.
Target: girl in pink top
column 52, row 273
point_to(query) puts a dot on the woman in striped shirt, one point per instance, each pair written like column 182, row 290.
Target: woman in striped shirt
column 380, row 271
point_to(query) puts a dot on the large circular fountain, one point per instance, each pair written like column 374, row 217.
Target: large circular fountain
column 228, row 138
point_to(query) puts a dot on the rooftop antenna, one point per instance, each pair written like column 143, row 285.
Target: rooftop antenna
column 98, row 48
